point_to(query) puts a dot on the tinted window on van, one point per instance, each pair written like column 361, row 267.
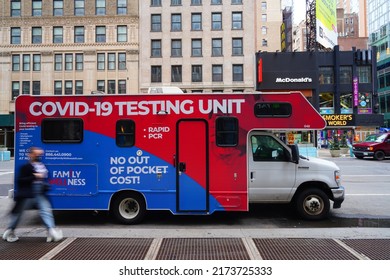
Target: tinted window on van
column 273, row 110
column 226, row 131
column 125, row 133
column 62, row 130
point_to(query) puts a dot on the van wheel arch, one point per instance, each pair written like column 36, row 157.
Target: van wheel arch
column 128, row 207
column 311, row 201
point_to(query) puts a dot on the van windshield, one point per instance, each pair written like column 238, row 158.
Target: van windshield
column 380, row 138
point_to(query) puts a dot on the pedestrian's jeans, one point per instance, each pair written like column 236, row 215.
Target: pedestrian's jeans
column 43, row 204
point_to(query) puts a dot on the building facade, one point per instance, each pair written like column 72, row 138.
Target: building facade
column 66, row 47
column 342, row 86
column 379, row 36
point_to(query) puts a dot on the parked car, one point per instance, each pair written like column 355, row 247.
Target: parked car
column 375, row 145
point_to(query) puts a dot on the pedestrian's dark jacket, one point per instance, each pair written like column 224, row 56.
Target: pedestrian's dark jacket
column 24, row 181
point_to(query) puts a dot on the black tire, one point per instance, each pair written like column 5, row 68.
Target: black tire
column 312, row 204
column 379, row 155
column 128, row 208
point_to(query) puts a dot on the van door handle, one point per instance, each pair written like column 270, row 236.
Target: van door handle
column 253, row 173
column 182, row 166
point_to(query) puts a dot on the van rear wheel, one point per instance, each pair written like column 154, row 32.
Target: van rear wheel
column 312, row 204
column 128, row 208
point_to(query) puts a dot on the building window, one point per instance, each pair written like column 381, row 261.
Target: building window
column 155, row 3
column 36, row 8
column 79, row 61
column 237, row 48
column 111, row 61
column 101, row 61
column 264, row 5
column 176, row 48
column 346, row 104
column 79, row 7
column 217, row 74
column 264, row 30
column 238, row 72
column 58, row 8
column 364, row 74
column 58, row 62
column 121, row 7
column 15, row 8
column 226, row 131
column 196, row 47
column 216, row 47
column 121, row 86
column 15, row 62
column 79, row 34
column 196, row 2
column 26, row 87
column 36, row 90
column 175, row 2
column 79, row 87
column 176, row 74
column 155, row 48
column 216, row 2
column 156, row 23
column 36, row 35
column 58, row 37
column 68, row 62
column 237, row 20
column 36, row 62
column 264, row 43
column 15, row 35
column 15, row 90
column 196, row 73
column 196, row 21
column 121, row 33
column 100, row 7
column 176, row 22
column 100, row 34
column 345, row 75
column 121, row 61
column 264, row 17
column 68, row 87
column 125, row 133
column 216, row 21
column 326, row 76
column 26, row 62
column 234, row 2
column 111, row 87
column 326, row 103
column 57, row 87
column 101, row 86
column 156, row 74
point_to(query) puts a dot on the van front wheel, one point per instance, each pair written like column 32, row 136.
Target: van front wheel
column 312, row 204
column 128, row 208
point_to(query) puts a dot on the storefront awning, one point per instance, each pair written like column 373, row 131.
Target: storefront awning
column 6, row 120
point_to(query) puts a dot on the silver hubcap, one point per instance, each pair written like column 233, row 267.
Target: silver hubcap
column 313, row 205
column 129, row 208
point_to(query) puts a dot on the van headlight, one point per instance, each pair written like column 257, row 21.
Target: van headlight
column 337, row 177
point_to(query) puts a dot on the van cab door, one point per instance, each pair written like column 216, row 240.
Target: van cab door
column 271, row 173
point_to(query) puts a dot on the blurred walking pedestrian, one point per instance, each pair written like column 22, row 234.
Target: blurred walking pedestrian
column 31, row 191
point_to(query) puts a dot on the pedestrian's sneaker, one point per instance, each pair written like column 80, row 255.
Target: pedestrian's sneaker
column 10, row 236
column 54, row 235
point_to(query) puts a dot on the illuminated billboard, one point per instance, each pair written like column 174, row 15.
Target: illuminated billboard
column 326, row 23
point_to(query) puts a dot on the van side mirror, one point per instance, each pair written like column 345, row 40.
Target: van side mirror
column 294, row 153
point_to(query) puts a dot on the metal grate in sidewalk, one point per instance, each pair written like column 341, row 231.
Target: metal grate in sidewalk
column 375, row 249
column 301, row 249
column 202, row 249
column 27, row 248
column 105, row 249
